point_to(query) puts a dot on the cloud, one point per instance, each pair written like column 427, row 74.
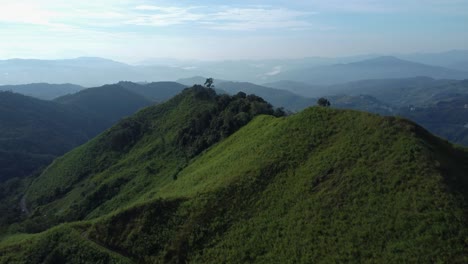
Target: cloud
column 25, row 14
column 222, row 17
column 259, row 18
column 275, row 71
column 163, row 16
column 71, row 15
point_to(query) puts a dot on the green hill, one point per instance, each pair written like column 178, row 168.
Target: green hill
column 192, row 180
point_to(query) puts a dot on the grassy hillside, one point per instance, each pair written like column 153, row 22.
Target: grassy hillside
column 169, row 185
column 123, row 161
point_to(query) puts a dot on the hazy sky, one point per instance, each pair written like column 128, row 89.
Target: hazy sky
column 211, row 29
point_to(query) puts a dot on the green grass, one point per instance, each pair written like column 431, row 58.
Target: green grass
column 323, row 185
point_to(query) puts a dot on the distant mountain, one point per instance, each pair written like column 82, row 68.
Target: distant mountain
column 461, row 65
column 300, row 88
column 377, row 68
column 89, row 72
column 365, row 103
column 403, row 92
column 454, row 59
column 206, row 178
column 277, row 97
column 44, row 91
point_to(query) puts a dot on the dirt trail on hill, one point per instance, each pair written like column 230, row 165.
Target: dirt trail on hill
column 24, row 207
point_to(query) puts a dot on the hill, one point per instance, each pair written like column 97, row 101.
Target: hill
column 34, row 131
column 377, row 68
column 192, row 180
column 43, row 91
column 108, row 103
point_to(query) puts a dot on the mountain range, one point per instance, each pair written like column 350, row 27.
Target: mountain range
column 376, row 68
column 91, row 71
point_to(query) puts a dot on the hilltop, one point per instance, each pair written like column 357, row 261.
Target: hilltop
column 206, row 178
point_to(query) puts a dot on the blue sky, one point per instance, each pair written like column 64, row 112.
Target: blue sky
column 135, row 30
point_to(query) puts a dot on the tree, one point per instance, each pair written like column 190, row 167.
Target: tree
column 323, row 102
column 209, row 83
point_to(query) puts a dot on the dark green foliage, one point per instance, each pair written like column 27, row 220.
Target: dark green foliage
column 125, row 134
column 230, row 114
column 323, row 102
column 209, row 83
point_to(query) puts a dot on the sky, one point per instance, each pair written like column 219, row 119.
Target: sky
column 137, row 30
